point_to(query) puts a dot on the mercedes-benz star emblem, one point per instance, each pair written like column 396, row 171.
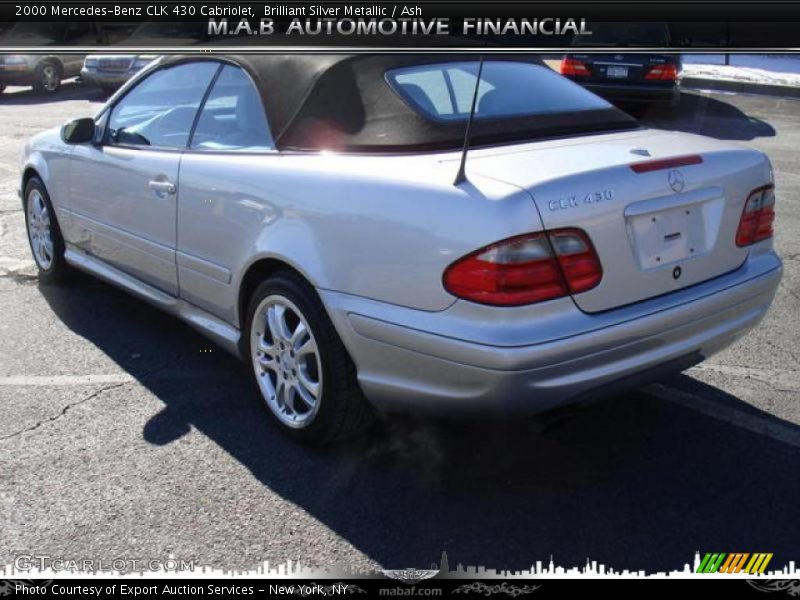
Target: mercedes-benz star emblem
column 676, row 180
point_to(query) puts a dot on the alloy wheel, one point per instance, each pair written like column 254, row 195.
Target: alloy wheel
column 286, row 361
column 50, row 78
column 39, row 231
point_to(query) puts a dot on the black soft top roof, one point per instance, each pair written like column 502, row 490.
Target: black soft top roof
column 343, row 102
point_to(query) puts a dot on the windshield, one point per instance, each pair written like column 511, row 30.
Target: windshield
column 651, row 35
column 444, row 92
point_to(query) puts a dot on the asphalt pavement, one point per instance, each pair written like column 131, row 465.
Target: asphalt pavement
column 127, row 435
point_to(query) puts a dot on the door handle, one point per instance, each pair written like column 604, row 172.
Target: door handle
column 162, row 187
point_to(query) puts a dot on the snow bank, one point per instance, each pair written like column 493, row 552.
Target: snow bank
column 769, row 69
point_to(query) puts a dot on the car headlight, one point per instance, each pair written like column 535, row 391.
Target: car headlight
column 14, row 59
column 90, row 62
column 142, row 61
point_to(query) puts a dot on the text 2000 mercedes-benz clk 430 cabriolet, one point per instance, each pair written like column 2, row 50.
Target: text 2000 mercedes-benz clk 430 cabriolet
column 320, row 216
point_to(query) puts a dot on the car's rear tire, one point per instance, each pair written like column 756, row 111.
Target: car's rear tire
column 303, row 373
column 44, row 234
column 47, row 78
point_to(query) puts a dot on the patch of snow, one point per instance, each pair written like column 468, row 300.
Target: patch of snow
column 769, row 69
column 781, row 63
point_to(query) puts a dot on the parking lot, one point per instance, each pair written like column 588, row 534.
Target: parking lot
column 127, row 435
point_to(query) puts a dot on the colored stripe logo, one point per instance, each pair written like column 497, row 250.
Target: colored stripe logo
column 735, row 562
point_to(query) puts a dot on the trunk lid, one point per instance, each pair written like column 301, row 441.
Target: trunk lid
column 655, row 232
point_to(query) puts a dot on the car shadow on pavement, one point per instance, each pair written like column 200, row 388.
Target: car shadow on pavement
column 635, row 481
column 705, row 115
column 67, row 92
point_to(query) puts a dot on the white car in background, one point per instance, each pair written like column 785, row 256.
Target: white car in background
column 320, row 217
column 110, row 71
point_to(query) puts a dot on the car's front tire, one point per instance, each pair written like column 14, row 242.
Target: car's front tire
column 302, row 371
column 47, row 78
column 44, row 235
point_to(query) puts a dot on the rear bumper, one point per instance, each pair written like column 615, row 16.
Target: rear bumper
column 457, row 362
column 621, row 92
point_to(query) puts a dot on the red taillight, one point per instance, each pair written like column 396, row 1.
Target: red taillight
column 668, row 72
column 526, row 269
column 573, row 66
column 666, row 163
column 577, row 258
column 757, row 216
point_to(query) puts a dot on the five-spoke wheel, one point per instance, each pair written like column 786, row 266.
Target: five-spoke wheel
column 48, row 78
column 304, row 375
column 39, row 233
column 44, row 235
column 286, row 361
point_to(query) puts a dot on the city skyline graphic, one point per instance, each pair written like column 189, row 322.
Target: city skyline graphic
column 296, row 569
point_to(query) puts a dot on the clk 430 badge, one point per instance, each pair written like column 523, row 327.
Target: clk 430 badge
column 566, row 202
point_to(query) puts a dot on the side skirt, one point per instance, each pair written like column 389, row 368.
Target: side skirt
column 220, row 332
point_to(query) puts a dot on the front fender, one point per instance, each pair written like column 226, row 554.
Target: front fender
column 47, row 157
column 34, row 166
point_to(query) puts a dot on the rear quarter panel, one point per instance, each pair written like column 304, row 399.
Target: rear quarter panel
column 383, row 228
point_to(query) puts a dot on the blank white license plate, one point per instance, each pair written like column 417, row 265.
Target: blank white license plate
column 669, row 235
column 617, row 72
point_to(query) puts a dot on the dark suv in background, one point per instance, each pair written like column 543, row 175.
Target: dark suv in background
column 622, row 77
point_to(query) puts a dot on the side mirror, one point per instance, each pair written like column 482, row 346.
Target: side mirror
column 79, row 131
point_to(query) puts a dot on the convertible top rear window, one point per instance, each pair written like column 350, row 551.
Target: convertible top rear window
column 507, row 89
column 399, row 103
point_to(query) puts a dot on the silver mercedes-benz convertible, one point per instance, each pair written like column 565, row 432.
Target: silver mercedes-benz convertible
column 440, row 234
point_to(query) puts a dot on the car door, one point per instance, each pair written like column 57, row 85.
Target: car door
column 222, row 204
column 123, row 190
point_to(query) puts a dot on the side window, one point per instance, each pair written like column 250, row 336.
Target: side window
column 161, row 109
column 233, row 116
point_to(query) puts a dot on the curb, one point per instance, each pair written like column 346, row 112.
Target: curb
column 740, row 87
